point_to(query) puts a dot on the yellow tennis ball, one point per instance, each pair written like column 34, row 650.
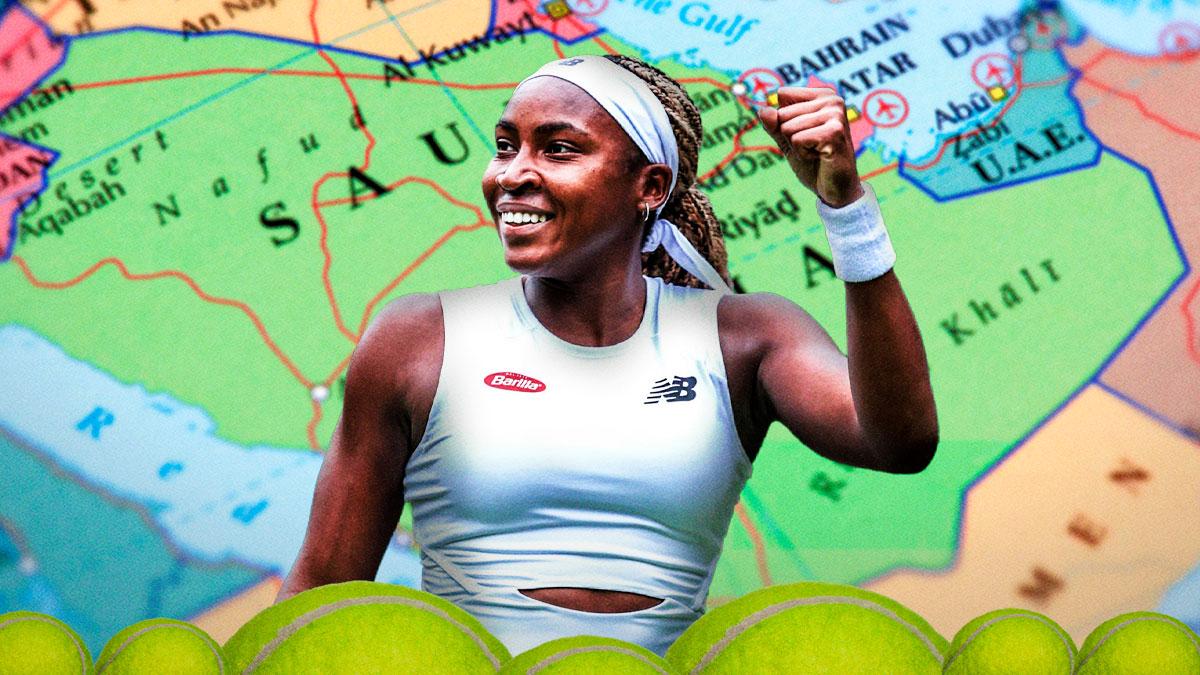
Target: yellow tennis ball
column 363, row 627
column 38, row 644
column 160, row 645
column 1140, row 643
column 1011, row 642
column 587, row 654
column 810, row 627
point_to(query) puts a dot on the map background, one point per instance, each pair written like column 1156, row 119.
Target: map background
column 1114, row 353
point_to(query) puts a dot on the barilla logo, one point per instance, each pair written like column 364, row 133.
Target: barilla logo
column 514, row 382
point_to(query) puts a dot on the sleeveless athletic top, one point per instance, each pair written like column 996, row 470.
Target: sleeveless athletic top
column 546, row 463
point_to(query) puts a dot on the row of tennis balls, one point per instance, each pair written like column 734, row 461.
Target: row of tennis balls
column 367, row 627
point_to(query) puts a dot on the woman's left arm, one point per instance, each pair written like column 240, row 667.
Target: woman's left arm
column 889, row 376
column 880, row 394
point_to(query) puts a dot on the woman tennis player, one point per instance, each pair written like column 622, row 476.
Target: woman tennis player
column 573, row 440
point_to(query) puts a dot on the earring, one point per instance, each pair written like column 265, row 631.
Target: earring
column 646, row 206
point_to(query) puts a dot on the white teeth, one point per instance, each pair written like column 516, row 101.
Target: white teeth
column 522, row 218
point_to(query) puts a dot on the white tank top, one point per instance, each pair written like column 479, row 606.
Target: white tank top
column 546, row 463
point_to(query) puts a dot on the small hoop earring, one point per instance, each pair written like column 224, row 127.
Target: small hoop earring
column 646, row 218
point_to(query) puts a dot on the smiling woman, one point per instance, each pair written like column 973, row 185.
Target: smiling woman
column 573, row 440
column 597, row 151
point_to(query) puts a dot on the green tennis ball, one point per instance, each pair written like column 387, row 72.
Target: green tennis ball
column 361, row 627
column 809, row 627
column 587, row 654
column 1011, row 642
column 157, row 645
column 1140, row 642
column 39, row 644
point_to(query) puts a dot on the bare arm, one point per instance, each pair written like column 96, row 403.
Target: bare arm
column 360, row 489
column 874, row 408
column 889, row 375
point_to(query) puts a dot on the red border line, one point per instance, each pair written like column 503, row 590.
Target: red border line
column 116, row 262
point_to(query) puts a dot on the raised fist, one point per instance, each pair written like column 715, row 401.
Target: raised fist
column 811, row 129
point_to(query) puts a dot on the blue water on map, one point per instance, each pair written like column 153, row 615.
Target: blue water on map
column 151, row 509
column 1182, row 600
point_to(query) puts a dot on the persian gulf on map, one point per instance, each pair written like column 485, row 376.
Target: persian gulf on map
column 204, row 202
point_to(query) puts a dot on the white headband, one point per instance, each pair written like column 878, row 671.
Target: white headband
column 639, row 112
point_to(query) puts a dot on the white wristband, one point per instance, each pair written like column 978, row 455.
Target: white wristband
column 861, row 248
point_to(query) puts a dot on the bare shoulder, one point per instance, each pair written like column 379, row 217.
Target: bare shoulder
column 759, row 321
column 754, row 328
column 399, row 359
column 406, row 323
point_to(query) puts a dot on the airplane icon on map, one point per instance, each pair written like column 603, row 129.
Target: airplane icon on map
column 885, row 108
column 994, row 73
column 1184, row 44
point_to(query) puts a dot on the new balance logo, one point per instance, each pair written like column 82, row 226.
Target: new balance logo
column 669, row 390
column 570, row 62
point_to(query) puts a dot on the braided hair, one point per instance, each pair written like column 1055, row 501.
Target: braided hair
column 688, row 207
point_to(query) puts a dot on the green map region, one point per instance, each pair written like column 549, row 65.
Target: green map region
column 205, row 208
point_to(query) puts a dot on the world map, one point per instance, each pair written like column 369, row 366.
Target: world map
column 203, row 204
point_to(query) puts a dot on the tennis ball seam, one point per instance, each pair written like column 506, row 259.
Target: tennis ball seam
column 555, row 658
column 83, row 660
column 191, row 629
column 1100, row 643
column 304, row 619
column 746, row 623
column 1030, row 615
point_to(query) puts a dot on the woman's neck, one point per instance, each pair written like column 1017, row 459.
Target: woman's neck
column 596, row 312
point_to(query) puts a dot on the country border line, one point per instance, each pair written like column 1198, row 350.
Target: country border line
column 360, row 123
column 206, row 72
column 1144, row 109
column 329, row 46
column 390, row 286
column 1073, row 75
column 756, row 543
column 173, row 274
column 186, row 109
column 1076, row 75
column 1149, row 412
column 778, row 533
column 1128, row 337
column 40, row 20
column 487, row 142
column 1093, row 378
column 44, row 171
column 310, row 49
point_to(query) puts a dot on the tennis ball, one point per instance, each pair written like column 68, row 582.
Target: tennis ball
column 363, row 626
column 156, row 645
column 1140, row 642
column 1011, row 641
column 809, row 627
column 587, row 654
column 39, row 644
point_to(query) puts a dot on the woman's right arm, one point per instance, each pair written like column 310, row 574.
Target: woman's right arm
column 360, row 489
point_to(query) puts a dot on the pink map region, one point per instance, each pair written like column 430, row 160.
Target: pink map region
column 860, row 129
column 569, row 26
column 27, row 54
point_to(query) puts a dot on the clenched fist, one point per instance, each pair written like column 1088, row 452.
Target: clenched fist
column 811, row 129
